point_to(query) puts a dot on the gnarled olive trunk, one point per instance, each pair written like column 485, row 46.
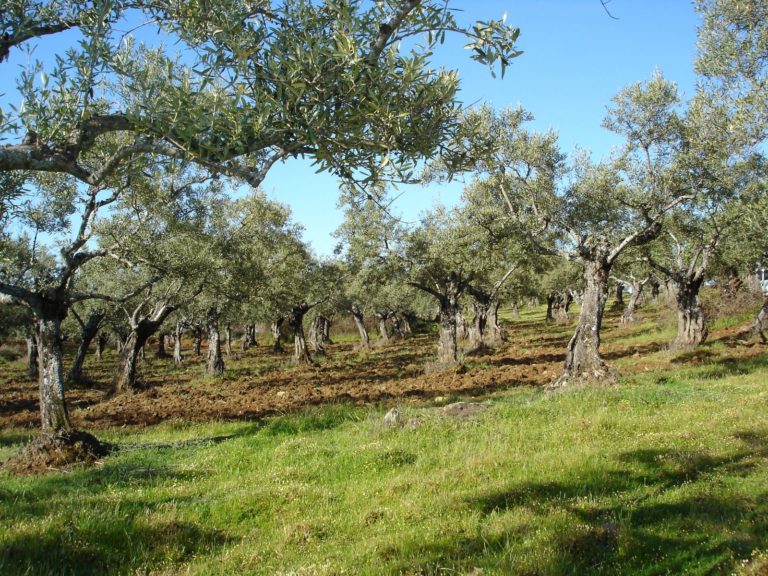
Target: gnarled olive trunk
column 479, row 322
column 277, row 333
column 493, row 328
column 618, row 302
column 101, row 343
column 628, row 316
column 161, row 352
column 53, row 408
column 761, row 324
column 382, row 316
column 228, row 340
column 551, row 297
column 197, row 339
column 88, row 332
column 215, row 363
column 691, row 329
column 177, row 334
column 33, row 367
column 583, row 364
column 142, row 328
column 357, row 315
column 447, row 347
column 296, row 322
column 316, row 336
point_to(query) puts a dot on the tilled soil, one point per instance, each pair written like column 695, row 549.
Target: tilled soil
column 260, row 382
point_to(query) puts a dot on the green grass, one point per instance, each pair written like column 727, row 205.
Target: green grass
column 664, row 474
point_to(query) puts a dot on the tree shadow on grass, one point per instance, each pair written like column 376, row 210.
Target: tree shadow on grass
column 651, row 511
column 116, row 546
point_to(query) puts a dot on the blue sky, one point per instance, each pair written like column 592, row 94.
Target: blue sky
column 576, row 58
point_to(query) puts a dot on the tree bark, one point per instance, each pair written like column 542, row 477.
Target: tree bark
column 177, row 335
column 382, row 316
column 247, row 337
column 628, row 316
column 583, row 364
column 493, row 328
column 197, row 339
column 32, row 353
column 228, row 340
column 277, row 333
column 53, row 408
column 296, row 322
column 142, row 328
column 691, row 328
column 316, row 336
column 447, row 347
column 619, row 303
column 215, row 363
column 101, row 343
column 761, row 323
column 551, row 297
column 357, row 315
column 89, row 329
column 161, row 352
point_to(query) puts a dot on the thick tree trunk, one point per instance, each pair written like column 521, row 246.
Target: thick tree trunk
column 228, row 340
column 761, row 324
column 53, row 408
column 618, row 303
column 382, row 318
column 494, row 333
column 33, row 368
column 628, row 316
column 479, row 322
column 583, row 364
column 691, row 329
column 142, row 328
column 316, row 336
column 296, row 322
column 89, row 331
column 197, row 339
column 248, row 338
column 215, row 363
column 357, row 315
column 325, row 332
column 406, row 324
column 161, row 352
column 101, row 343
column 129, row 360
column 177, row 335
column 447, row 347
column 277, row 333
column 551, row 297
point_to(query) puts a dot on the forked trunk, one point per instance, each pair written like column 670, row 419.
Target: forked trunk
column 32, row 355
column 53, row 408
column 583, row 364
column 628, row 317
column 215, row 363
column 296, row 323
column 142, row 328
column 691, row 329
column 277, row 333
column 357, row 315
column 89, row 331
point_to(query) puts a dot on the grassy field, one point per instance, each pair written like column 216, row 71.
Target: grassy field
column 666, row 473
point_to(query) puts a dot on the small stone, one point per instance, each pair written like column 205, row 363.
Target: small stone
column 281, row 393
column 414, row 423
column 392, row 418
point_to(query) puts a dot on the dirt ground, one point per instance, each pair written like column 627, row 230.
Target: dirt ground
column 260, row 382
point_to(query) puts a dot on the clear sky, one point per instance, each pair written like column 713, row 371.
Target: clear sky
column 576, row 58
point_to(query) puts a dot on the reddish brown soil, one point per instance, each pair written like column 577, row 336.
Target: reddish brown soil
column 260, row 382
